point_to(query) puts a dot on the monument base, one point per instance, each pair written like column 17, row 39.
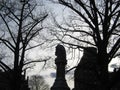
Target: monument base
column 60, row 84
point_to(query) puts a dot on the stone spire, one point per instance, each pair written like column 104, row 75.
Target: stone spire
column 60, row 61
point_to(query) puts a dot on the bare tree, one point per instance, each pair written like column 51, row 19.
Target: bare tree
column 94, row 23
column 38, row 83
column 20, row 23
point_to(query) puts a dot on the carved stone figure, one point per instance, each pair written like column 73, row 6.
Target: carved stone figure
column 60, row 52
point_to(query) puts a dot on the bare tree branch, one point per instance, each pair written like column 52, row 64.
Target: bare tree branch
column 37, row 61
column 8, row 44
column 10, row 32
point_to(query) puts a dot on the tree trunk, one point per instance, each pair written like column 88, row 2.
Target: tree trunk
column 103, row 68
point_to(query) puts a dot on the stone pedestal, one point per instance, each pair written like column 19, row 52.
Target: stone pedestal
column 60, row 82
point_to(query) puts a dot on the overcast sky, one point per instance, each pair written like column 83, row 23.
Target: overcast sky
column 49, row 73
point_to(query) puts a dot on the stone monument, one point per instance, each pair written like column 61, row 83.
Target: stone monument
column 86, row 77
column 60, row 82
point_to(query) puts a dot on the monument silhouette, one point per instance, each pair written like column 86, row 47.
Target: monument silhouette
column 60, row 81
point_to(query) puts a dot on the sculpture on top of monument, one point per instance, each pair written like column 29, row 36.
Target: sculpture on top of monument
column 60, row 52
